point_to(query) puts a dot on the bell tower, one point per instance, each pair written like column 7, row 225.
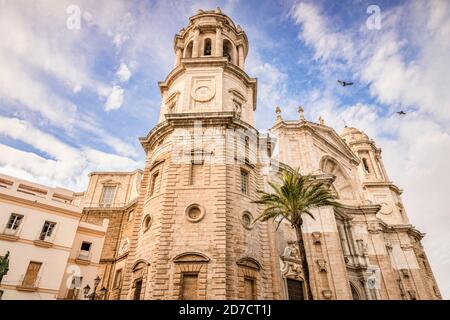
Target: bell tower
column 208, row 74
column 192, row 231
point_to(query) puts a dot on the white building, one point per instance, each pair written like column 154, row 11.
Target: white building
column 41, row 228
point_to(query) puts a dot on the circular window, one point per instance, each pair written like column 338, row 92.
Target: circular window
column 194, row 213
column 247, row 220
column 147, row 222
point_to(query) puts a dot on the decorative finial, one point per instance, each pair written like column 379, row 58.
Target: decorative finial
column 321, row 121
column 301, row 111
column 278, row 113
column 218, row 10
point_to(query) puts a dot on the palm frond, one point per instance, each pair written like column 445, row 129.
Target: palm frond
column 295, row 195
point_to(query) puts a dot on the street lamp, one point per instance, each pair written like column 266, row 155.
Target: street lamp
column 93, row 295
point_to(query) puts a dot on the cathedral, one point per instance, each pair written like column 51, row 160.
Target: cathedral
column 183, row 227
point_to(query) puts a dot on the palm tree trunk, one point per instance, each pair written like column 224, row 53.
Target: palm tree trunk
column 301, row 248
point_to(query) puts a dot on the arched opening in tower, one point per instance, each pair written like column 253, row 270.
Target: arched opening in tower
column 207, row 47
column 189, row 50
column 227, row 49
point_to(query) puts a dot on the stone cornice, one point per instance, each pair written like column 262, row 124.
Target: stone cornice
column 110, row 209
column 388, row 184
column 347, row 210
column 115, row 173
column 187, row 120
column 35, row 204
column 210, row 62
column 91, row 231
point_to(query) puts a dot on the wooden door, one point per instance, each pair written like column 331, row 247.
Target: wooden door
column 31, row 275
column 295, row 289
column 249, row 289
column 137, row 290
column 189, row 287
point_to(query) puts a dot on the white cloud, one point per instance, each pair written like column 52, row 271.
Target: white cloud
column 316, row 32
column 123, row 72
column 25, row 132
column 115, row 99
column 68, row 166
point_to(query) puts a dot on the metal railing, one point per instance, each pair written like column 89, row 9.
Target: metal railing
column 9, row 231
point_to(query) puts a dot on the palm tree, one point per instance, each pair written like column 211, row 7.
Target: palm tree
column 294, row 197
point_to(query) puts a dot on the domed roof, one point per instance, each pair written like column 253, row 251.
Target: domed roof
column 350, row 134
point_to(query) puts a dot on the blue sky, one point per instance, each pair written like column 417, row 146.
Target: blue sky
column 76, row 100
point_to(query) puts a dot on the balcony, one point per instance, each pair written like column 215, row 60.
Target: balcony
column 83, row 257
column 44, row 240
column 10, row 234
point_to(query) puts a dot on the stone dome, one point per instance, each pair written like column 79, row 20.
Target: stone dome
column 350, row 134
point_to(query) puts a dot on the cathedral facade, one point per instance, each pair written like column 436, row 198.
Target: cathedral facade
column 182, row 228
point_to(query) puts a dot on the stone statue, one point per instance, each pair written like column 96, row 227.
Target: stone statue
column 301, row 112
column 4, row 265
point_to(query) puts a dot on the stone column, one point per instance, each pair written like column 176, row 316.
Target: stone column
column 178, row 56
column 235, row 56
column 343, row 238
column 241, row 56
column 195, row 45
column 218, row 52
column 375, row 167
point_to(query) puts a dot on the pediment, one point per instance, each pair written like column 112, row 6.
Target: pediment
column 333, row 140
column 323, row 133
column 249, row 263
column 190, row 257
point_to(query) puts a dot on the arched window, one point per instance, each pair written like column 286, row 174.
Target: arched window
column 227, row 50
column 139, row 276
column 188, row 51
column 342, row 184
column 366, row 165
column 207, row 47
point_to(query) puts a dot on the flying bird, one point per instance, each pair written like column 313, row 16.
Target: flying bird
column 401, row 112
column 343, row 83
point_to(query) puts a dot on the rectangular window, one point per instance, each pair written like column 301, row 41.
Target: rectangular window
column 137, row 290
column 247, row 150
column 74, row 290
column 85, row 250
column 153, row 182
column 108, row 193
column 244, row 181
column 14, row 221
column 118, row 278
column 31, row 276
column 47, row 230
column 189, row 287
column 249, row 289
column 1, row 294
column 196, row 173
